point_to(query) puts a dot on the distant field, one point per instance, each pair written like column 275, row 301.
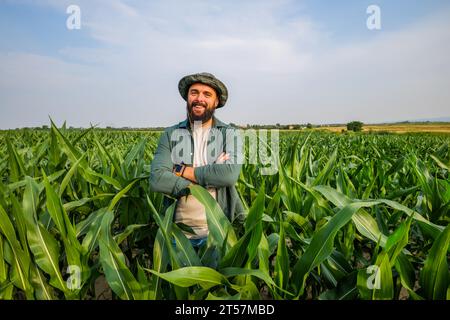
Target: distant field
column 399, row 128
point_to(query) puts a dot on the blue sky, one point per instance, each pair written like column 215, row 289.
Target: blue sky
column 37, row 29
column 283, row 61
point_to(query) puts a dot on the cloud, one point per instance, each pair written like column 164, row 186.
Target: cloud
column 392, row 76
column 279, row 67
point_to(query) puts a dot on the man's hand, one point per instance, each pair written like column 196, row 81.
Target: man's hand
column 188, row 172
column 222, row 158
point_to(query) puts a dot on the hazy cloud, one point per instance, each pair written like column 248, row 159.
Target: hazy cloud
column 279, row 67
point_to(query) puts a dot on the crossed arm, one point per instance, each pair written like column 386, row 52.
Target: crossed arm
column 162, row 178
column 189, row 172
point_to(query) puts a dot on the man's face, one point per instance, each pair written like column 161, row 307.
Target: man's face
column 202, row 102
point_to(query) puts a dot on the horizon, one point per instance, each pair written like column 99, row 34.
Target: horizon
column 423, row 121
column 120, row 66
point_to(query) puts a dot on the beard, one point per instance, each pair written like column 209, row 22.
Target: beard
column 207, row 114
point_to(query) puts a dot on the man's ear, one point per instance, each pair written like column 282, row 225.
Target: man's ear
column 217, row 103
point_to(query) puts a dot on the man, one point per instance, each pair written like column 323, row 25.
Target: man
column 172, row 174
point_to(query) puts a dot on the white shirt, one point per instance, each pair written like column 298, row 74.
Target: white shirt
column 189, row 210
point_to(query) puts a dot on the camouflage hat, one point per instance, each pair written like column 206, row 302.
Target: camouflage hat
column 205, row 78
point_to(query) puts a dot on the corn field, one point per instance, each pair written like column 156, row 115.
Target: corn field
column 347, row 216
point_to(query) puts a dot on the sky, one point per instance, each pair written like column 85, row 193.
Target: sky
column 285, row 61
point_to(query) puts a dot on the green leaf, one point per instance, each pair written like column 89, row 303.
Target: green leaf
column 345, row 290
column 263, row 254
column 282, row 260
column 435, row 277
column 327, row 169
column 143, row 282
column 70, row 206
column 299, row 220
column 59, row 216
column 3, row 267
column 119, row 277
column 398, row 240
column 218, row 224
column 160, row 262
column 211, row 296
column 321, row 245
column 109, row 180
column 253, row 223
column 407, row 275
column 367, row 224
column 15, row 162
column 235, row 257
column 136, row 153
column 190, row 276
column 248, row 243
column 128, row 230
column 42, row 290
column 375, row 282
column 232, row 272
column 111, row 159
column 186, row 253
column 93, row 228
column 42, row 244
column 119, row 195
column 19, row 261
column 70, row 174
column 74, row 154
column 165, row 227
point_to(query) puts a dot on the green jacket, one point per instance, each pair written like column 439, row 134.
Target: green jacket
column 221, row 176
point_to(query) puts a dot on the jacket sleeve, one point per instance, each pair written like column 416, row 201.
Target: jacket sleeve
column 225, row 174
column 161, row 177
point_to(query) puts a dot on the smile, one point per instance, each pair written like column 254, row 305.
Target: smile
column 198, row 108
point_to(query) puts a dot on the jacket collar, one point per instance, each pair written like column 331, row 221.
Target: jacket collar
column 216, row 123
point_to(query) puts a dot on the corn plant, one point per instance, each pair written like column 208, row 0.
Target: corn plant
column 347, row 216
